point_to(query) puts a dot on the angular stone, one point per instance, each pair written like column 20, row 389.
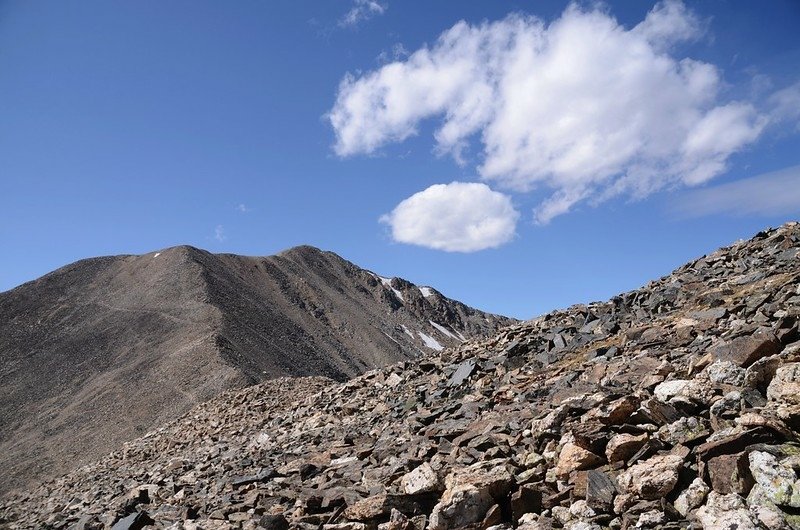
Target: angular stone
column 469, row 495
column 744, row 351
column 273, row 522
column 691, row 497
column 778, row 481
column 423, row 479
column 623, row 446
column 463, row 371
column 730, row 474
column 685, row 430
column 653, row 478
column 600, row 490
column 785, row 386
column 575, row 458
column 726, row 512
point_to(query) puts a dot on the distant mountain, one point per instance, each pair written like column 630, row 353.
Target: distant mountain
column 103, row 350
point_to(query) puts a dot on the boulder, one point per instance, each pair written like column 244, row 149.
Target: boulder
column 653, row 478
column 421, row 480
column 573, row 457
column 744, row 351
column 730, row 474
column 725, row 512
column 777, row 480
column 623, row 446
column 785, row 386
column 469, row 494
column 691, row 497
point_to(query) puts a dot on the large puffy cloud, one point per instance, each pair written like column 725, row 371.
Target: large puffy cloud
column 456, row 217
column 582, row 106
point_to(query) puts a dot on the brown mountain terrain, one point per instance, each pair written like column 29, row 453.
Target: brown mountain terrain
column 672, row 406
column 105, row 349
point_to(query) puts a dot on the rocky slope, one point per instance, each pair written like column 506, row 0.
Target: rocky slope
column 673, row 406
column 106, row 349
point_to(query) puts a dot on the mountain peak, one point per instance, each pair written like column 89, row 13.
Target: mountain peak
column 177, row 326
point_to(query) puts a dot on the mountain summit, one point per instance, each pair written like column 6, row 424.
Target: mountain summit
column 105, row 349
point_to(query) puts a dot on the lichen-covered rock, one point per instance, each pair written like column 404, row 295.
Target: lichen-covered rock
column 725, row 373
column 778, row 482
column 766, row 511
column 725, row 512
column 691, row 497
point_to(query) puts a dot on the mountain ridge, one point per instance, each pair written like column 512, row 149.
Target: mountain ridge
column 106, row 348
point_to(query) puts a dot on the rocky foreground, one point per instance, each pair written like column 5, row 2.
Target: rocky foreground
column 673, row 406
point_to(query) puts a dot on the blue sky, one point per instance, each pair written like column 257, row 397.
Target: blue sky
column 518, row 156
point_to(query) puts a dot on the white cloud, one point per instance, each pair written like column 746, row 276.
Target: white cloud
column 219, row 233
column 583, row 106
column 455, row 217
column 768, row 194
column 362, row 10
column 243, row 208
column 786, row 105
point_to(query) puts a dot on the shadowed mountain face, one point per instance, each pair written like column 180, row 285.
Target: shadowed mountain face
column 103, row 350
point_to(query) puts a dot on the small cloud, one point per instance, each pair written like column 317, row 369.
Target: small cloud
column 397, row 53
column 219, row 233
column 362, row 10
column 243, row 208
column 768, row 194
column 455, row 217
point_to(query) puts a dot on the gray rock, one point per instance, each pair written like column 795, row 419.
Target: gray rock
column 725, row 512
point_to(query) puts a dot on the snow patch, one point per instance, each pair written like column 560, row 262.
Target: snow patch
column 407, row 331
column 445, row 330
column 387, row 282
column 430, row 342
column 426, row 291
column 157, row 254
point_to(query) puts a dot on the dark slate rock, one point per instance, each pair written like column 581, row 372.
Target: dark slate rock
column 134, row 521
column 463, row 371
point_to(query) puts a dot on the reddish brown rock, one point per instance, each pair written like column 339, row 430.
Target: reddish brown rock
column 744, row 351
column 730, row 474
